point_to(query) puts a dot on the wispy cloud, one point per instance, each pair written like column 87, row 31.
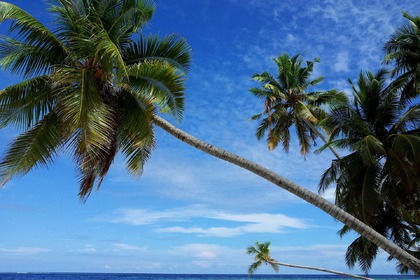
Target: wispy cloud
column 129, row 247
column 24, row 250
column 247, row 223
column 342, row 64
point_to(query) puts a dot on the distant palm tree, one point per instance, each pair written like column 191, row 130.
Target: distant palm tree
column 262, row 256
column 288, row 103
column 91, row 86
column 403, row 49
column 379, row 180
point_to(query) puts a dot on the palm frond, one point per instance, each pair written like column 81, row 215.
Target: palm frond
column 170, row 49
column 160, row 82
column 123, row 18
column 253, row 267
column 407, row 121
column 28, row 60
column 25, row 103
column 109, row 57
column 370, row 149
column 35, row 148
column 34, row 36
column 362, row 251
column 136, row 137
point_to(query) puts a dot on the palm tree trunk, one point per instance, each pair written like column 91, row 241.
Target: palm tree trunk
column 314, row 199
column 323, row 270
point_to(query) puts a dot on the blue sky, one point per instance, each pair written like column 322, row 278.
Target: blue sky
column 189, row 212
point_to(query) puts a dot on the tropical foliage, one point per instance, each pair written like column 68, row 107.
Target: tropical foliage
column 91, row 86
column 379, row 180
column 403, row 50
column 262, row 256
column 288, row 103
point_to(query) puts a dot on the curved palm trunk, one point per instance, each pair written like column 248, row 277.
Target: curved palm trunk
column 314, row 199
column 323, row 270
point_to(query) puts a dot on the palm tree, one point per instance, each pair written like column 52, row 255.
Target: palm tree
column 287, row 103
column 379, row 180
column 262, row 256
column 403, row 49
column 93, row 87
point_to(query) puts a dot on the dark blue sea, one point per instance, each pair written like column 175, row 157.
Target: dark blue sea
column 136, row 276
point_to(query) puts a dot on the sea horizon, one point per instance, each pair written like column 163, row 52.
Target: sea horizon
column 181, row 276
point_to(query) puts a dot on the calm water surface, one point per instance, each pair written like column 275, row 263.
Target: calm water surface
column 135, row 276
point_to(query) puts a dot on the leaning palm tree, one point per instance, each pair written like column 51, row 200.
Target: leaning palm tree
column 262, row 256
column 288, row 103
column 379, row 180
column 403, row 50
column 334, row 211
column 93, row 88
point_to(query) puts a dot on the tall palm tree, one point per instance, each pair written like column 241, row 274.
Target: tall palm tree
column 403, row 49
column 379, row 180
column 288, row 103
column 262, row 256
column 91, row 86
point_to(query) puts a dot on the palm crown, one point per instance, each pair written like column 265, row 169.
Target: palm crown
column 287, row 103
column 262, row 256
column 91, row 86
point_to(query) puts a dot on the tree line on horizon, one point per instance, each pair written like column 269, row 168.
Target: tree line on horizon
column 95, row 85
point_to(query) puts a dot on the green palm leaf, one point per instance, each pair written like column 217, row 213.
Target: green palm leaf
column 169, row 49
column 35, row 38
column 26, row 103
column 35, row 148
column 160, row 82
column 136, row 135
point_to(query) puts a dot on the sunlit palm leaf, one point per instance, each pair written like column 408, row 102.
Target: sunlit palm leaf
column 169, row 49
column 27, row 59
column 161, row 83
column 26, row 103
column 109, row 56
column 35, row 148
column 121, row 18
column 35, row 37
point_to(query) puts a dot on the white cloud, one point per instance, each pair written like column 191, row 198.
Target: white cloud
column 24, row 250
column 212, row 231
column 342, row 62
column 89, row 249
column 204, row 251
column 128, row 247
column 329, row 194
column 290, row 38
column 250, row 223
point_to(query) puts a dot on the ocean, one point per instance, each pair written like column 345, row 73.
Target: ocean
column 139, row 276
